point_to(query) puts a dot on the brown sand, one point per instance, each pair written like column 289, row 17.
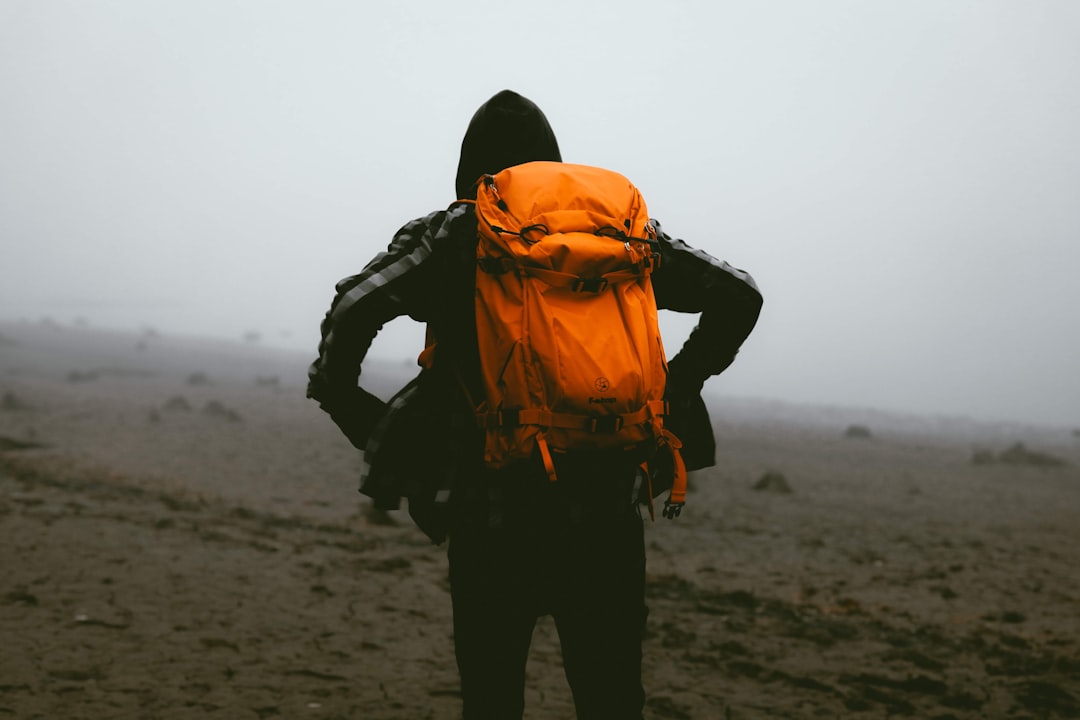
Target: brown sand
column 180, row 537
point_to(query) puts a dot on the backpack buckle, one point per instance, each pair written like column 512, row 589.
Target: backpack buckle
column 605, row 424
column 593, row 285
column 672, row 510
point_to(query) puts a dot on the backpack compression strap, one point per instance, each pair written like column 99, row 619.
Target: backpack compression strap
column 667, row 443
column 568, row 421
column 554, row 278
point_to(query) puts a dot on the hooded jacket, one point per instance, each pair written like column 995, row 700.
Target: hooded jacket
column 507, row 130
column 423, row 441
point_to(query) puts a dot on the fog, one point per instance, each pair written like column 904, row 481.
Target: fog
column 901, row 178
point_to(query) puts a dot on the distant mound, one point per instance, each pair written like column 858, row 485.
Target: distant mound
column 860, row 432
column 1017, row 454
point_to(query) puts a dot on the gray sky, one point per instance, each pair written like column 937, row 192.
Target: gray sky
column 902, row 178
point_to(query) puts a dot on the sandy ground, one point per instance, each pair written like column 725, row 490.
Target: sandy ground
column 180, row 537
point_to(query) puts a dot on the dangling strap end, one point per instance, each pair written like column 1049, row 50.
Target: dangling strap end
column 545, row 455
column 648, row 489
column 677, row 497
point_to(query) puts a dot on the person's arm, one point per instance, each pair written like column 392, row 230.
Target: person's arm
column 727, row 299
column 728, row 303
column 394, row 283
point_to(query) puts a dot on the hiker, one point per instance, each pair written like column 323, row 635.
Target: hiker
column 527, row 536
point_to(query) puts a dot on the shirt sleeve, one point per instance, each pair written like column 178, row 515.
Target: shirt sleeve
column 391, row 285
column 727, row 299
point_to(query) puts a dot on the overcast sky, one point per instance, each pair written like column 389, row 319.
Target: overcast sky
column 901, row 178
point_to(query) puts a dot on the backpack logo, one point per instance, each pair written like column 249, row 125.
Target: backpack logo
column 601, row 384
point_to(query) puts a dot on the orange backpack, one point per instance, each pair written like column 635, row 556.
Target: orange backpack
column 570, row 348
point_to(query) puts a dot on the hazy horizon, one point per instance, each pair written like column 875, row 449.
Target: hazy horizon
column 901, row 179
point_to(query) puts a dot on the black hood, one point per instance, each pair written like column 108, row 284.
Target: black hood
column 507, row 130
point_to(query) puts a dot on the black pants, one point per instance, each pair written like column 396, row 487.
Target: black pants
column 525, row 547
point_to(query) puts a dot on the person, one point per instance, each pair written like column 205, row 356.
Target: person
column 520, row 546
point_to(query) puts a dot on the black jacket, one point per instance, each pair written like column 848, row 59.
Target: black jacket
column 420, row 443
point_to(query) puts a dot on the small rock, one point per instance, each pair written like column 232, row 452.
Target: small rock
column 11, row 401
column 177, row 402
column 198, row 378
column 378, row 516
column 858, row 431
column 773, row 482
column 9, row 443
column 19, row 596
column 216, row 409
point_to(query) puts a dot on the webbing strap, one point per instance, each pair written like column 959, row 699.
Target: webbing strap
column 545, row 455
column 568, row 421
column 578, row 283
column 555, row 278
column 648, row 489
column 677, row 497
